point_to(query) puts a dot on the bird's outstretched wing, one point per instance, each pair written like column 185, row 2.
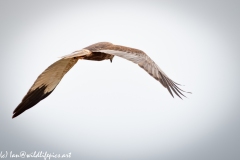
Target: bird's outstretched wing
column 45, row 84
column 145, row 62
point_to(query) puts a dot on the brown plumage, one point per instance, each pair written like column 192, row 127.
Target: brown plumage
column 49, row 79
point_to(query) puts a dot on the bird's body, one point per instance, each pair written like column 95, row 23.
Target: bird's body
column 49, row 79
column 97, row 56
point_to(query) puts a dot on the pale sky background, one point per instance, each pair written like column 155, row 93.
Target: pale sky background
column 116, row 111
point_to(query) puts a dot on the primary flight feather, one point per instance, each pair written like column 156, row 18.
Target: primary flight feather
column 49, row 79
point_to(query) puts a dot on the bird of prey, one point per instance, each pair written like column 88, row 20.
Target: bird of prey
column 49, row 79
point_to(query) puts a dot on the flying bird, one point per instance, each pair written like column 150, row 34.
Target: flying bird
column 49, row 79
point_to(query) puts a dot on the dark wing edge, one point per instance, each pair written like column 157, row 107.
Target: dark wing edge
column 45, row 84
column 31, row 99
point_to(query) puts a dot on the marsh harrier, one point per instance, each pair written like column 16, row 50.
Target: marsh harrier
column 49, row 79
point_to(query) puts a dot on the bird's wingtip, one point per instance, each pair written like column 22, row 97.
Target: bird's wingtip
column 14, row 115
